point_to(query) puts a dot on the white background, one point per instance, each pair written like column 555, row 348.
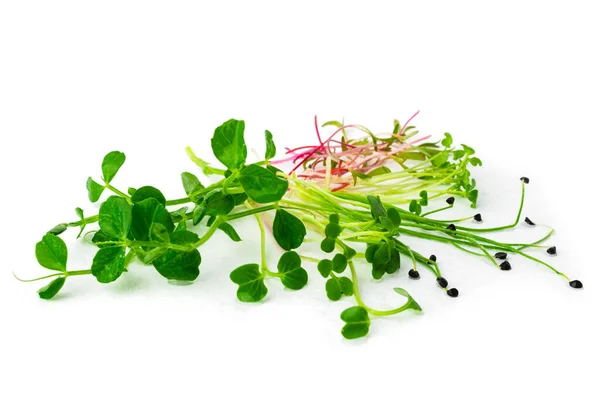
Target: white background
column 518, row 81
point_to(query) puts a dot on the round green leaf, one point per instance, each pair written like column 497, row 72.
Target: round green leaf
column 325, row 267
column 357, row 322
column 346, row 286
column 115, row 217
column 149, row 213
column 228, row 144
column 179, row 265
column 111, row 164
column 339, row 263
column 146, row 192
column 262, row 185
column 51, row 252
column 94, row 190
column 288, row 230
column 293, row 276
column 333, row 289
column 251, row 283
column 328, row 245
column 109, row 263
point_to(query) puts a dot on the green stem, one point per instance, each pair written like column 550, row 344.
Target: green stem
column 117, row 192
column 206, row 169
column 360, row 302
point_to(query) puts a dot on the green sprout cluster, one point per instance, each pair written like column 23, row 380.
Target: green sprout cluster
column 361, row 227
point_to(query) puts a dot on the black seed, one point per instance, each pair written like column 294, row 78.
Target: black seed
column 525, row 179
column 451, row 227
column 551, row 250
column 501, row 255
column 478, row 218
column 576, row 284
column 529, row 222
column 452, row 292
column 442, row 282
column 414, row 274
column 505, row 266
column 450, row 200
column 433, row 258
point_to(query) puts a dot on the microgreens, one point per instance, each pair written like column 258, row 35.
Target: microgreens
column 355, row 194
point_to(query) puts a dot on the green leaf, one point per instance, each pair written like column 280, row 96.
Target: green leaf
column 94, row 190
column 109, row 263
column 472, row 197
column 51, row 252
column 181, row 226
column 458, row 154
column 370, row 252
column 468, row 150
column 396, row 127
column 328, row 245
column 184, row 237
column 262, row 185
column 333, row 289
column 394, row 215
column 58, row 229
column 346, row 286
column 251, row 283
column 424, row 200
column 239, row 198
column 377, row 208
column 111, row 164
column 230, row 231
column 218, row 203
column 358, row 174
column 393, row 264
column 131, row 191
column 383, row 253
column 101, row 240
column 447, row 141
column 339, row 263
column 325, row 267
column 50, row 290
column 271, row 149
column 191, row 184
column 357, row 322
column 160, row 232
column 415, row 207
column 387, row 224
column 149, row 213
column 147, row 192
column 293, row 275
column 411, row 303
column 179, row 265
column 79, row 213
column 115, row 217
column 337, row 124
column 333, row 230
column 228, row 144
column 334, row 219
column 180, row 212
column 476, row 162
column 439, row 159
column 288, row 230
column 380, row 171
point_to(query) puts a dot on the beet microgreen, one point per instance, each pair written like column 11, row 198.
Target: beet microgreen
column 361, row 197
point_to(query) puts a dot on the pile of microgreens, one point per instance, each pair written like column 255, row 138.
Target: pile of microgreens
column 344, row 190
